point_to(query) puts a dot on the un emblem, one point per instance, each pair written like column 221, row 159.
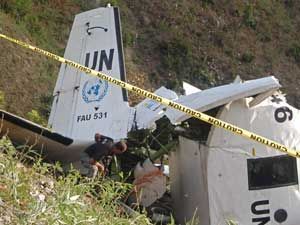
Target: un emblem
column 94, row 90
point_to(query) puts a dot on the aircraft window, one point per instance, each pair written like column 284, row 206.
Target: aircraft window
column 272, row 172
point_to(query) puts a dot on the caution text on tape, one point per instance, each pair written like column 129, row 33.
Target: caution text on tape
column 164, row 101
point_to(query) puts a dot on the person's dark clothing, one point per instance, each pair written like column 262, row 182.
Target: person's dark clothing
column 100, row 149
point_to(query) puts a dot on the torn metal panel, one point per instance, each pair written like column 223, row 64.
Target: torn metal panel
column 188, row 177
column 261, row 97
column 246, row 182
column 213, row 97
column 274, row 118
column 266, row 183
column 149, row 111
column 189, row 89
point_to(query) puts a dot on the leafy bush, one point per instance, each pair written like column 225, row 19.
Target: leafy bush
column 249, row 18
column 37, row 195
column 18, row 8
column 35, row 117
column 128, row 38
column 207, row 2
column 2, row 100
column 175, row 53
column 46, row 104
column 178, row 61
column 32, row 24
column 247, row 57
column 175, row 57
column 290, row 3
column 294, row 51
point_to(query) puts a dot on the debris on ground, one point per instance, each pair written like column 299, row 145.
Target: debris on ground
column 149, row 184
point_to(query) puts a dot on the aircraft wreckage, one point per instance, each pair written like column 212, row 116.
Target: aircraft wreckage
column 215, row 175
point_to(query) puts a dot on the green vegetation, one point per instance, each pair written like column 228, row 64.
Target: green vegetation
column 35, row 117
column 247, row 57
column 2, row 100
column 175, row 59
column 208, row 1
column 206, row 43
column 249, row 18
column 294, row 52
column 19, row 8
column 231, row 222
column 41, row 194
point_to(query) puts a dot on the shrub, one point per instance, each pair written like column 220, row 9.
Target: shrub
column 289, row 3
column 2, row 100
column 294, row 51
column 249, row 18
column 175, row 56
column 207, row 2
column 247, row 57
column 32, row 24
column 18, row 8
column 35, row 117
column 36, row 194
column 128, row 38
column 46, row 104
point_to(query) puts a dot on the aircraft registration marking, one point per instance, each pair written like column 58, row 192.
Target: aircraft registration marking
column 91, row 116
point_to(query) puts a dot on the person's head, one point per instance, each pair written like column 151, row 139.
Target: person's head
column 97, row 137
column 119, row 148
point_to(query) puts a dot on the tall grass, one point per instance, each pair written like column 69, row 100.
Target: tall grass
column 42, row 194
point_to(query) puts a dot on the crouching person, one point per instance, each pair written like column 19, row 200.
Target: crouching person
column 95, row 159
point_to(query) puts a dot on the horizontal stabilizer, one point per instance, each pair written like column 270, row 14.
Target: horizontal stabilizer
column 148, row 111
column 214, row 97
column 25, row 132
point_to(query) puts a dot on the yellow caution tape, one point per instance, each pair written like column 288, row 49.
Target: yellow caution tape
column 164, row 101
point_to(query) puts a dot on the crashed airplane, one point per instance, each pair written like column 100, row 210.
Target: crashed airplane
column 220, row 178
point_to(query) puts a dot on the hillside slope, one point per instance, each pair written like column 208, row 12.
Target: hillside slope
column 38, row 193
column 205, row 42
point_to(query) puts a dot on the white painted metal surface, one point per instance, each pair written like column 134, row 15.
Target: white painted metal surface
column 148, row 111
column 84, row 105
column 236, row 190
column 188, row 178
column 274, row 119
column 189, row 89
column 53, row 146
column 213, row 97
